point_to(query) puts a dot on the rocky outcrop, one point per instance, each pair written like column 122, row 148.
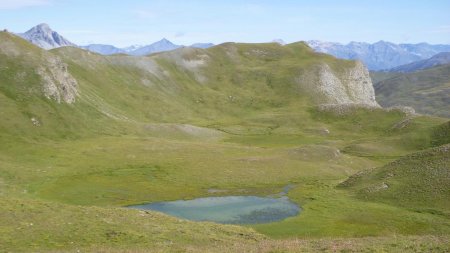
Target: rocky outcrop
column 343, row 109
column 359, row 86
column 58, row 83
column 348, row 85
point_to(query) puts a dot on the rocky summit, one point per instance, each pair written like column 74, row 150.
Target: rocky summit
column 43, row 36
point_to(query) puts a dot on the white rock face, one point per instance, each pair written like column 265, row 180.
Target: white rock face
column 359, row 85
column 58, row 83
column 43, row 36
column 329, row 86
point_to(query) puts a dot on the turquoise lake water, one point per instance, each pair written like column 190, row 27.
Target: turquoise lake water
column 228, row 209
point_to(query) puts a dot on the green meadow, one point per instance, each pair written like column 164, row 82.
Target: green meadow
column 152, row 129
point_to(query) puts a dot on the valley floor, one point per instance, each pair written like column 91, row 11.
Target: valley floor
column 67, row 195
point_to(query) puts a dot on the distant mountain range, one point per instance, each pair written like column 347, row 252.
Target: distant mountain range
column 159, row 46
column 43, row 36
column 436, row 60
column 104, row 49
column 381, row 55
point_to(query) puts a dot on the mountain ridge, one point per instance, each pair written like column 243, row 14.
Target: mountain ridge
column 156, row 47
column 379, row 55
column 436, row 60
column 256, row 74
column 43, row 36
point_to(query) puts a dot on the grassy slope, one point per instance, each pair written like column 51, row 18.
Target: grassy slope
column 427, row 91
column 381, row 76
column 418, row 182
column 35, row 226
column 31, row 225
column 262, row 134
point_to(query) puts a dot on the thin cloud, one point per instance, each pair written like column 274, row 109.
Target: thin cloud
column 19, row 4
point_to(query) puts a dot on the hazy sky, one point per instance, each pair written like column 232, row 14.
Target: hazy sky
column 127, row 22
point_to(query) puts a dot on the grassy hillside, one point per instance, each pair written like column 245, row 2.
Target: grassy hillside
column 44, row 226
column 235, row 119
column 418, row 182
column 30, row 225
column 226, row 83
column 427, row 91
column 381, row 76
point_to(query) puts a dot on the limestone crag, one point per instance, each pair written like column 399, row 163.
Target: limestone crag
column 359, row 86
column 352, row 85
column 58, row 83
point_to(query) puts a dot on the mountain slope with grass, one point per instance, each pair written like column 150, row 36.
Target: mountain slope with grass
column 187, row 85
column 427, row 91
column 85, row 135
column 439, row 59
column 418, row 181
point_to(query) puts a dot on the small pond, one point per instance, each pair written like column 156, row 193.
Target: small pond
column 228, row 209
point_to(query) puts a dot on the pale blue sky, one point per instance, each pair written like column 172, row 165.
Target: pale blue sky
column 127, row 22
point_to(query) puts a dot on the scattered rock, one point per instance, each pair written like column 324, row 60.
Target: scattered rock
column 314, row 152
column 343, row 109
column 35, row 122
column 58, row 83
column 380, row 187
column 405, row 109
